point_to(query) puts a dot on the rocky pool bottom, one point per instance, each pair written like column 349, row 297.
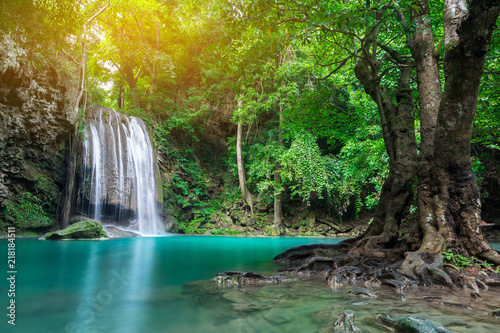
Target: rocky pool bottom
column 164, row 284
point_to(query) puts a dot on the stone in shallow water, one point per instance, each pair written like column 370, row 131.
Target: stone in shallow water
column 81, row 230
column 113, row 231
column 414, row 324
column 410, row 324
column 234, row 278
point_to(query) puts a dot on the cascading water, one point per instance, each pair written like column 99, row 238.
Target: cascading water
column 119, row 173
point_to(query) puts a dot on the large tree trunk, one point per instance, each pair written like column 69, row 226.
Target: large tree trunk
column 399, row 136
column 429, row 94
column 450, row 216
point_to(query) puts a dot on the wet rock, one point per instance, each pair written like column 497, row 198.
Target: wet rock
column 81, row 230
column 168, row 220
column 232, row 278
column 362, row 293
column 36, row 121
column 345, row 322
column 79, row 218
column 456, row 306
column 113, row 231
column 414, row 324
column 410, row 324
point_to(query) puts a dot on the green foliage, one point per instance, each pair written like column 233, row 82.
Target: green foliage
column 194, row 227
column 308, row 172
column 46, row 189
column 183, row 66
column 43, row 28
column 27, row 211
column 459, row 260
column 481, row 263
column 224, row 232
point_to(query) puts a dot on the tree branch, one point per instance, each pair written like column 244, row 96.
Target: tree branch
column 98, row 13
column 381, row 75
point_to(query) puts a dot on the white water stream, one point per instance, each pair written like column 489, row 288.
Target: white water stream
column 119, row 173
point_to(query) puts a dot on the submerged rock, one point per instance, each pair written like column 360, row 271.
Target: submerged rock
column 82, row 230
column 247, row 278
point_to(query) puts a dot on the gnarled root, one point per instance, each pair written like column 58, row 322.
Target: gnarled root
column 385, row 240
column 324, row 263
column 425, row 267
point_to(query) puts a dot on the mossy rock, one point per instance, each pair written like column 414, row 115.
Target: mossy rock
column 410, row 324
column 272, row 230
column 81, row 230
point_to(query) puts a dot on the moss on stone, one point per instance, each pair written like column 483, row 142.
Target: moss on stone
column 81, row 230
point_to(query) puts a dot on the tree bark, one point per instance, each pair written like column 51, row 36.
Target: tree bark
column 278, row 208
column 131, row 80
column 399, row 136
column 152, row 105
column 453, row 202
column 120, row 98
column 429, row 95
column 247, row 197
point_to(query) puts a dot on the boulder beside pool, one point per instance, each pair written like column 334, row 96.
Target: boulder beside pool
column 89, row 229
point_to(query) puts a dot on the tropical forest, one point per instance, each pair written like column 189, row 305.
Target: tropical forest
column 250, row 166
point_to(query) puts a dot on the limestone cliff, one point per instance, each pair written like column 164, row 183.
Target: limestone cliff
column 36, row 120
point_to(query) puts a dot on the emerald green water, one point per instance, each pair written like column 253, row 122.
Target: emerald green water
column 163, row 284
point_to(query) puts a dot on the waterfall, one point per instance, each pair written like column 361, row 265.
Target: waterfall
column 118, row 183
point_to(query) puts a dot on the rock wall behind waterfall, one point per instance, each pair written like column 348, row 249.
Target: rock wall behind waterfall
column 36, row 119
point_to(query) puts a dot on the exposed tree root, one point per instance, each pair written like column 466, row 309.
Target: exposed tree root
column 386, row 266
column 334, row 227
column 324, row 262
column 297, row 255
column 426, row 267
